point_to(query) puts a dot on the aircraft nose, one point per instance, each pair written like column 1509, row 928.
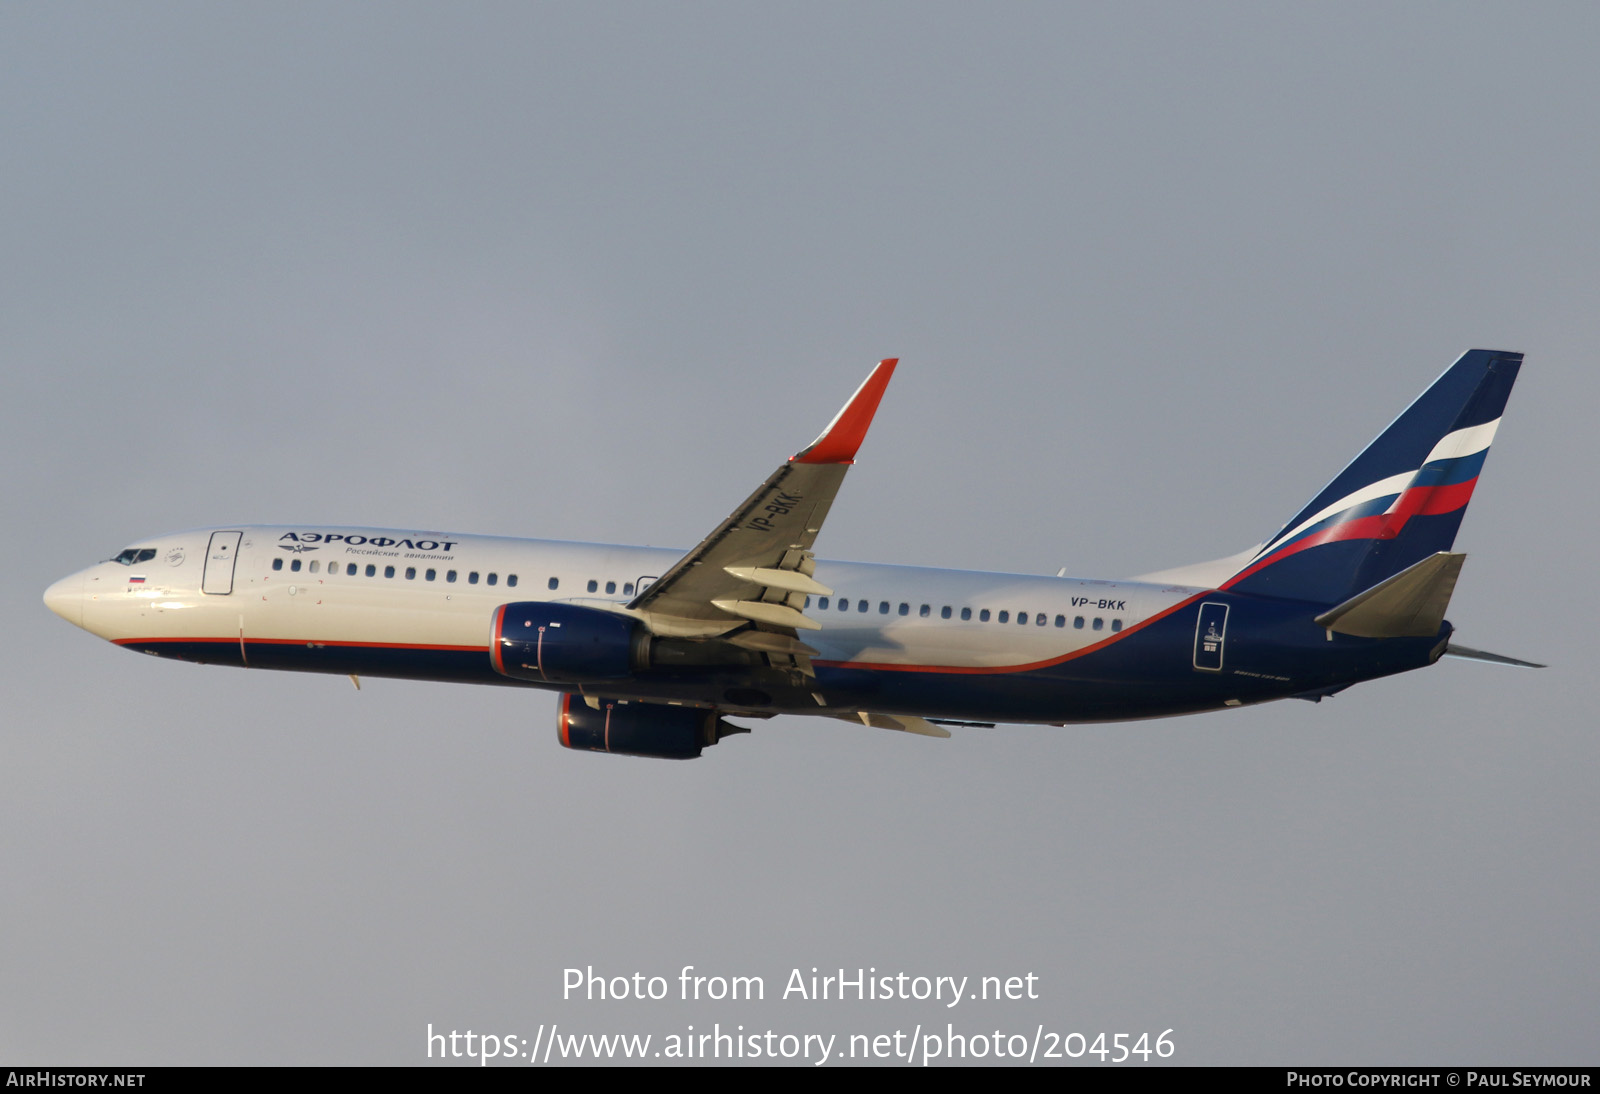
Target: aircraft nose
column 65, row 598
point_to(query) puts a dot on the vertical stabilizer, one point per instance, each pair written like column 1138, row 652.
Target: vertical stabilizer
column 1398, row 502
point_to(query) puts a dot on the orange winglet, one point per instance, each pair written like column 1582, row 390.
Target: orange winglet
column 838, row 442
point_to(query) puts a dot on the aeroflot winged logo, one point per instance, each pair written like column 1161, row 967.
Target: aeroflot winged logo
column 299, row 538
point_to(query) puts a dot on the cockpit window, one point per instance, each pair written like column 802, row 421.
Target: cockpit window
column 135, row 555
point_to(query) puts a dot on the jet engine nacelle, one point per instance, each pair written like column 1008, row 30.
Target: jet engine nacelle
column 639, row 729
column 552, row 642
column 563, row 643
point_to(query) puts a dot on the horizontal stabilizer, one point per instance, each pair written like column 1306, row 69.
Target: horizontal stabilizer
column 1453, row 650
column 1411, row 604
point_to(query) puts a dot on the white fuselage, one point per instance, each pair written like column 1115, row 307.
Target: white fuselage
column 385, row 589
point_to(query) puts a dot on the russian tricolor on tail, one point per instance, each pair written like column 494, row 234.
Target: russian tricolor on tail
column 1399, row 501
column 1376, row 541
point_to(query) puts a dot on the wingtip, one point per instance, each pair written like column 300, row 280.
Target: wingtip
column 841, row 439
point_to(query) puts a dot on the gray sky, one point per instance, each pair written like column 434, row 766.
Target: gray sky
column 1155, row 271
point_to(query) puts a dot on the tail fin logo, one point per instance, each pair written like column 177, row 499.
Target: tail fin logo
column 1380, row 511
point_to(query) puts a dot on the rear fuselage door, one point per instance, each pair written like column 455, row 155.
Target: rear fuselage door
column 1210, row 632
column 220, row 556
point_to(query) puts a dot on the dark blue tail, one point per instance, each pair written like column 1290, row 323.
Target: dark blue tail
column 1400, row 501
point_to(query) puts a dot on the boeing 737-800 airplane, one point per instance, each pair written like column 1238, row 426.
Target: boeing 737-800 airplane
column 650, row 648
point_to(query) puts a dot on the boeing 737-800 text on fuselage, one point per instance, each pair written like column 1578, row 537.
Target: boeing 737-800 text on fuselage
column 651, row 649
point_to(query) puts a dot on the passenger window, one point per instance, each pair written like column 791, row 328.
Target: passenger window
column 512, row 580
column 883, row 607
column 1077, row 622
column 294, row 567
column 493, row 578
column 944, row 612
column 1005, row 617
column 1061, row 621
column 1099, row 624
column 277, row 564
column 431, row 574
column 388, row 571
column 1039, row 620
column 1022, row 618
column 983, row 616
column 823, row 603
column 924, row 611
column 449, row 575
column 472, row 578
column 905, row 609
column 372, row 571
column 611, row 588
column 808, row 602
column 411, row 573
column 861, row 606
column 554, row 582
column 627, row 589
column 594, row 586
column 1116, row 624
column 315, row 565
column 966, row 613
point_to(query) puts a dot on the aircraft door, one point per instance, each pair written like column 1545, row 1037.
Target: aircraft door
column 1210, row 632
column 221, row 554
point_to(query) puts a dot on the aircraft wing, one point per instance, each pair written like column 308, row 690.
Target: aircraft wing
column 756, row 567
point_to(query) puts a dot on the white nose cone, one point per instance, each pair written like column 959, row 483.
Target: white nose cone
column 65, row 598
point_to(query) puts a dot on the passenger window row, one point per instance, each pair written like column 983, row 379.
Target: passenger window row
column 925, row 611
column 611, row 587
column 296, row 565
column 411, row 573
column 842, row 603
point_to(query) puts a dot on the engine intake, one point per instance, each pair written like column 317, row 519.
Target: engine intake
column 552, row 642
column 564, row 643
